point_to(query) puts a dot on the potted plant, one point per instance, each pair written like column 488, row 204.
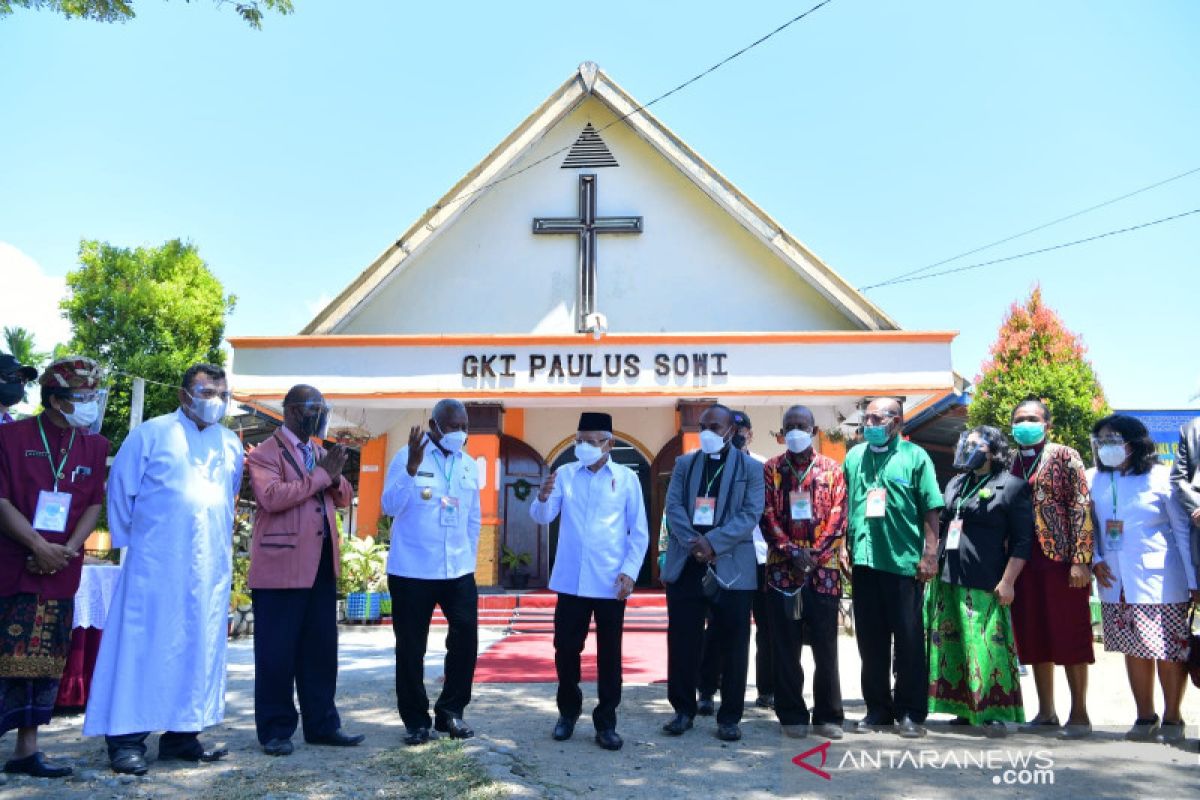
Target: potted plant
column 363, row 577
column 240, row 608
column 515, row 564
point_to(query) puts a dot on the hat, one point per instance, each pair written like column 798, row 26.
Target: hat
column 72, row 372
column 595, row 421
column 26, row 373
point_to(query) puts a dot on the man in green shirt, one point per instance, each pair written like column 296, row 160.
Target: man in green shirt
column 893, row 500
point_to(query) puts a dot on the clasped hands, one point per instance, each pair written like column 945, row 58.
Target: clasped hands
column 48, row 558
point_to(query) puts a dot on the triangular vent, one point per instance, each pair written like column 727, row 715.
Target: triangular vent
column 589, row 150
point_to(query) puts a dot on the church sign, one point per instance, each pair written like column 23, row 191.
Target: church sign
column 594, row 365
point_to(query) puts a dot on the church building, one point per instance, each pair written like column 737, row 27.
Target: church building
column 591, row 261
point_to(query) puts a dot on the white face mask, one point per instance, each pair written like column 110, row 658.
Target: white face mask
column 588, row 453
column 84, row 415
column 798, row 441
column 210, row 411
column 1111, row 455
column 453, row 441
column 711, row 443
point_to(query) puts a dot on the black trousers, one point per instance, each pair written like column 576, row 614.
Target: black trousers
column 818, row 628
column 137, row 741
column 887, row 612
column 413, row 601
column 295, row 646
column 764, row 654
column 687, row 608
column 572, row 618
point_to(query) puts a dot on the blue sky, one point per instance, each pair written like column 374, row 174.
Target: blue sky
column 886, row 136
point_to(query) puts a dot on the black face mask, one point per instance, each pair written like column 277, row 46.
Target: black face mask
column 11, row 393
column 313, row 425
column 738, row 441
column 975, row 460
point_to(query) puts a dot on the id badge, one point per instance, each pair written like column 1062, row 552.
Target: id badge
column 52, row 510
column 706, row 511
column 953, row 534
column 448, row 515
column 876, row 503
column 1112, row 534
column 801, row 505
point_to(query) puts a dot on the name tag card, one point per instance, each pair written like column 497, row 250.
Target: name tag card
column 953, row 534
column 1113, row 530
column 705, row 512
column 801, row 506
column 876, row 503
column 448, row 514
column 52, row 510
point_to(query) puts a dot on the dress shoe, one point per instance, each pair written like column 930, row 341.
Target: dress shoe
column 1047, row 726
column 416, row 736
column 679, row 724
column 189, row 750
column 1144, row 729
column 909, row 729
column 728, row 733
column 705, row 707
column 870, row 724
column 829, row 730
column 278, row 747
column 609, row 739
column 128, row 762
column 960, row 722
column 995, row 729
column 564, row 728
column 455, row 727
column 37, row 766
column 338, row 739
column 765, row 701
column 794, row 731
column 1074, row 730
column 1170, row 733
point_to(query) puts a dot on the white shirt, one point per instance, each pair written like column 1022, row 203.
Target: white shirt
column 426, row 541
column 760, row 544
column 161, row 664
column 603, row 532
column 1154, row 562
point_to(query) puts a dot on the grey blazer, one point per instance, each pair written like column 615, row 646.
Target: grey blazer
column 1185, row 480
column 739, row 506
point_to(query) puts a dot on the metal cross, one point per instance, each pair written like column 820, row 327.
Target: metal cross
column 586, row 226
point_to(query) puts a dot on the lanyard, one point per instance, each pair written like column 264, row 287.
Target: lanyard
column 713, row 479
column 1033, row 468
column 965, row 496
column 1112, row 481
column 57, row 471
column 448, row 460
column 799, row 478
column 875, row 479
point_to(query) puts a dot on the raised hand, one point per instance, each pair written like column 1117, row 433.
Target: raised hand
column 416, row 449
column 547, row 487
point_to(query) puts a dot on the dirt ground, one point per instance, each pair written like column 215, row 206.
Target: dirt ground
column 515, row 756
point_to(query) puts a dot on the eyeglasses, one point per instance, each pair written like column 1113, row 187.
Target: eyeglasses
column 209, row 393
column 722, row 583
column 1111, row 439
column 877, row 419
column 80, row 397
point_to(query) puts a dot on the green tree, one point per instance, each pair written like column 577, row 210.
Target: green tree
column 150, row 312
column 122, row 10
column 18, row 342
column 1036, row 355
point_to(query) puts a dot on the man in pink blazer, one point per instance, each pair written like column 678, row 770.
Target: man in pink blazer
column 293, row 576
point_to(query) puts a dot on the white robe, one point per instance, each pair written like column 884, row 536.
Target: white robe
column 171, row 495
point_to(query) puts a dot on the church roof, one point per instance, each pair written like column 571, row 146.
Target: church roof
column 590, row 81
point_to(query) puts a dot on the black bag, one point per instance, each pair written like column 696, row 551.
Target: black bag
column 710, row 584
column 793, row 606
column 1193, row 662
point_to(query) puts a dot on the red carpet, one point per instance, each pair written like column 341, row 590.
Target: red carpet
column 529, row 658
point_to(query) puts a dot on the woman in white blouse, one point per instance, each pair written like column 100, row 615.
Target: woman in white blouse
column 1143, row 565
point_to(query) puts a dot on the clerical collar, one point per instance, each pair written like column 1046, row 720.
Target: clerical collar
column 1030, row 452
column 878, row 449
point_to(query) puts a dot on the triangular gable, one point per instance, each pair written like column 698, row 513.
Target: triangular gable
column 590, row 81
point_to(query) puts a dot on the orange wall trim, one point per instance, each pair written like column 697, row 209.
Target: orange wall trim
column 487, row 446
column 371, row 468
column 585, row 340
column 514, row 422
column 666, row 391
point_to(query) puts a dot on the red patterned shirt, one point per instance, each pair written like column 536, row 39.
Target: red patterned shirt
column 824, row 534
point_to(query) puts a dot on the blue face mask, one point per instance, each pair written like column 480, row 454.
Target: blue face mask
column 1028, row 434
column 876, row 435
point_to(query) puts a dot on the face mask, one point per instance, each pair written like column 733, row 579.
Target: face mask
column 975, row 460
column 876, row 435
column 1111, row 455
column 84, row 415
column 798, row 441
column 711, row 443
column 11, row 394
column 454, row 441
column 738, row 441
column 1027, row 434
column 588, row 453
column 314, row 426
column 210, row 411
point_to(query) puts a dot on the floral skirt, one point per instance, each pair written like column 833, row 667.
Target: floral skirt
column 1146, row 630
column 973, row 670
column 35, row 636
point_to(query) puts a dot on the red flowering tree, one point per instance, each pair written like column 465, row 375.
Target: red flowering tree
column 1036, row 355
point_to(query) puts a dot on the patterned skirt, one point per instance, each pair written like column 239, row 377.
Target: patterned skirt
column 35, row 637
column 973, row 670
column 1146, row 630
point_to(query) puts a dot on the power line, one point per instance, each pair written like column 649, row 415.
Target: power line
column 1126, row 196
column 640, row 108
column 1033, row 252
